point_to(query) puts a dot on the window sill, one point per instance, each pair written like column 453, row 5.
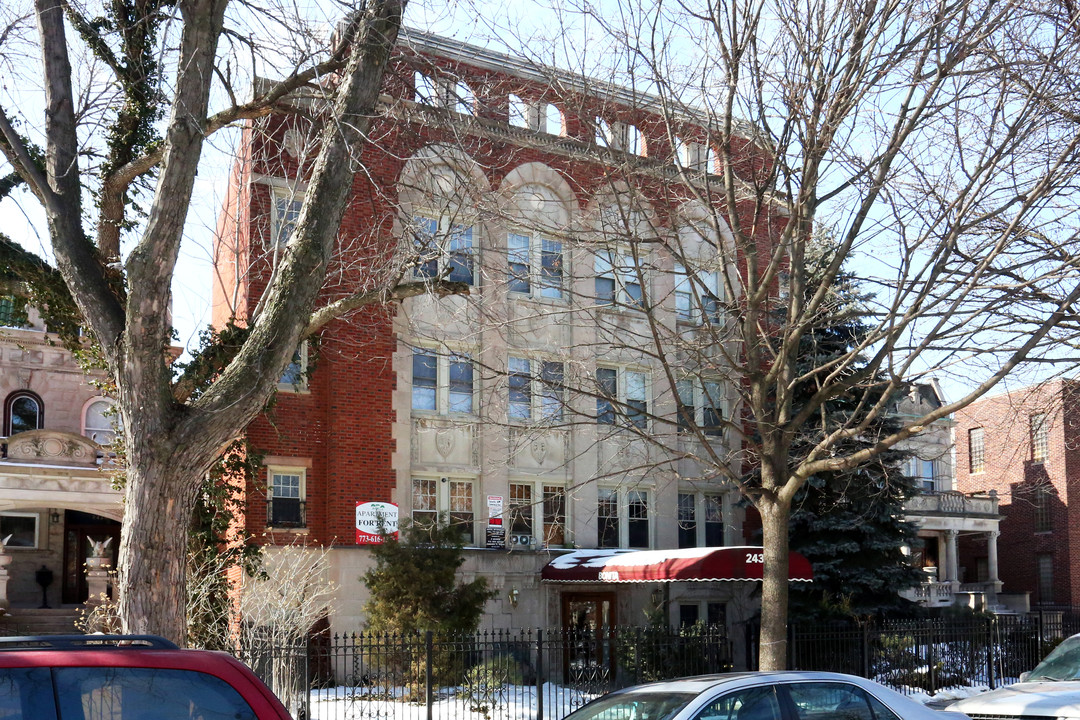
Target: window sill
column 292, row 530
column 293, row 389
column 540, row 299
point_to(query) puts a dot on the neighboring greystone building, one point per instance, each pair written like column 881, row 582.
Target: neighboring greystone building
column 458, row 407
column 944, row 515
column 55, row 488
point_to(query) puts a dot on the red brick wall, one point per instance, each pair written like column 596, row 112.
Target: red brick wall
column 1010, row 470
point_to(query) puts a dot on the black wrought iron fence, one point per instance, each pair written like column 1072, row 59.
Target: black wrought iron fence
column 531, row 674
column 929, row 654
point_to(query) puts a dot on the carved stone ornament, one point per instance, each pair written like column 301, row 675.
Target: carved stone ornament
column 52, row 447
column 293, row 143
column 538, row 449
column 444, row 442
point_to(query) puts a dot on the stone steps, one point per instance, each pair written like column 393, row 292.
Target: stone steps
column 38, row 621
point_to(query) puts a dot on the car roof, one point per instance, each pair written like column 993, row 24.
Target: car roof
column 701, row 683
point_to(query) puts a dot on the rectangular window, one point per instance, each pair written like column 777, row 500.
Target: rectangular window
column 714, row 521
column 622, row 393
column 554, row 515
column 285, row 498
column 688, row 614
column 700, row 405
column 425, row 502
column 607, row 394
column 976, row 450
column 1043, row 500
column 1040, row 439
column 687, row 520
column 607, row 514
column 1044, row 569
column 442, row 382
column 294, row 379
column 22, row 527
column 697, row 295
column 521, row 509
column 536, row 265
column 637, row 519
column 546, row 403
column 617, row 280
column 13, row 311
column 444, row 499
column 716, row 614
column 443, row 249
column 286, row 212
column 923, row 472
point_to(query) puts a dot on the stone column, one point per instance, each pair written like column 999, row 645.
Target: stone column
column 5, row 560
column 992, row 561
column 952, row 569
column 97, row 579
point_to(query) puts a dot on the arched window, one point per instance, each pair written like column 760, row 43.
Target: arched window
column 464, row 100
column 519, row 112
column 23, row 411
column 553, row 120
column 425, row 90
column 100, row 421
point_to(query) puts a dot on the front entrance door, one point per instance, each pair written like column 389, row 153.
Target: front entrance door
column 589, row 624
column 78, row 526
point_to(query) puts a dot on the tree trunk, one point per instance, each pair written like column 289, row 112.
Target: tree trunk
column 774, row 584
column 152, row 579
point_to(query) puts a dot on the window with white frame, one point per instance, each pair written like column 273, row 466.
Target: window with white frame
column 924, row 472
column 22, row 527
column 700, row 406
column 536, row 389
column 622, row 518
column 622, row 397
column 976, row 450
column 520, row 112
column 101, row 422
column 286, row 490
column 284, row 212
column 23, row 411
column 537, row 514
column 536, row 265
column 448, row 500
column 697, row 295
column 618, row 136
column 701, row 520
column 442, row 383
column 618, row 279
column 444, row 249
column 1040, row 437
column 552, row 119
column 294, row 379
column 463, row 99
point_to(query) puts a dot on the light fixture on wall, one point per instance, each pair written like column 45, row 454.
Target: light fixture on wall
column 512, row 596
column 54, row 518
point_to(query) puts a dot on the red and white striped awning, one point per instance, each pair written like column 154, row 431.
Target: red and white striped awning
column 687, row 565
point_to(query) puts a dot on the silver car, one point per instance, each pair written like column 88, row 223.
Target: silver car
column 1051, row 690
column 760, row 696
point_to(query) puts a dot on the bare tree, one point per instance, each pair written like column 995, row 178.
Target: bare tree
column 932, row 146
column 129, row 105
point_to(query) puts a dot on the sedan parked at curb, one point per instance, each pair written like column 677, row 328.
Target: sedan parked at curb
column 1051, row 690
column 760, row 696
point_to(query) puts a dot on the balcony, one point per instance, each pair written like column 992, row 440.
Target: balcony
column 953, row 504
column 286, row 513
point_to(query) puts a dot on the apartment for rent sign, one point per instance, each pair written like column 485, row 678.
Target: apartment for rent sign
column 369, row 515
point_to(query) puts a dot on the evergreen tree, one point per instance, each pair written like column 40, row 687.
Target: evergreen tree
column 849, row 525
column 414, row 586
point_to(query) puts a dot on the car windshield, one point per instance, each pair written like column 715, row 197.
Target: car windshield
column 634, row 706
column 1061, row 664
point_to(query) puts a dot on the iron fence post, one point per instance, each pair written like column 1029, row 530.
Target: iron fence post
column 429, row 647
column 866, row 650
column 991, row 627
column 539, row 674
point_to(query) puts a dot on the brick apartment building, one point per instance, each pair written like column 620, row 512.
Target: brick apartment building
column 1023, row 444
column 456, row 407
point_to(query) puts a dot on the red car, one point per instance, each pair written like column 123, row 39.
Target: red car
column 126, row 677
